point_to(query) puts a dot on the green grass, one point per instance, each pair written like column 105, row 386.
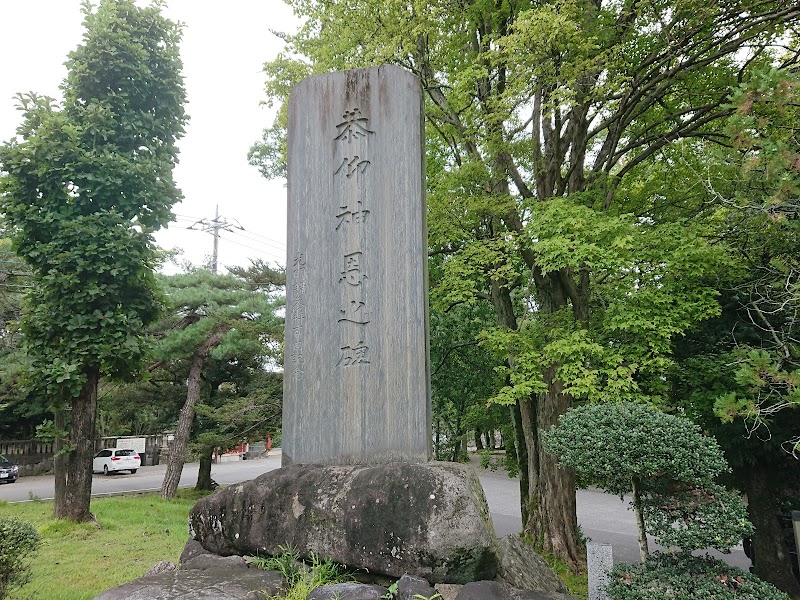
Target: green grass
column 577, row 582
column 77, row 561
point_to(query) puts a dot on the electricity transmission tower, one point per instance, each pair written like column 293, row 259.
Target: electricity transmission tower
column 214, row 226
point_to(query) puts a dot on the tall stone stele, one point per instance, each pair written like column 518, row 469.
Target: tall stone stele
column 357, row 373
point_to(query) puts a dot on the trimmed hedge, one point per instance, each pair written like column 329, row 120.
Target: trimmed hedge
column 687, row 577
column 18, row 539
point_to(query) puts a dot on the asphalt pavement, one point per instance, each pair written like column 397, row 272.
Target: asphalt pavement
column 603, row 518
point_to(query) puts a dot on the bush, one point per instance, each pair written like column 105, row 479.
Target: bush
column 689, row 577
column 18, row 539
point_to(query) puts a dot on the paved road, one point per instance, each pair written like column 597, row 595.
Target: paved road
column 603, row 518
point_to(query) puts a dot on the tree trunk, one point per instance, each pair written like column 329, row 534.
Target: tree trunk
column 204, row 472
column 521, row 452
column 478, row 440
column 771, row 557
column 59, row 461
column 644, row 551
column 552, row 513
column 76, row 496
column 177, row 456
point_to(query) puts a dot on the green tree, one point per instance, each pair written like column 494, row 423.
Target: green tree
column 462, row 378
column 212, row 317
column 541, row 118
column 86, row 183
column 245, row 406
column 742, row 366
column 667, row 465
column 20, row 411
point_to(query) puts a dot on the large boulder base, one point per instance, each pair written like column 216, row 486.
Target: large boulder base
column 493, row 590
column 223, row 581
column 523, row 568
column 349, row 591
column 427, row 519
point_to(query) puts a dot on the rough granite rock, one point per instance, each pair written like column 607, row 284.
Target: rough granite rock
column 448, row 591
column 202, row 562
column 428, row 519
column 495, row 590
column 160, row 567
column 228, row 583
column 522, row 567
column 191, row 549
column 410, row 587
column 348, row 591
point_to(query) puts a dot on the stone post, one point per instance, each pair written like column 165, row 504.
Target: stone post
column 356, row 380
column 796, row 528
column 599, row 562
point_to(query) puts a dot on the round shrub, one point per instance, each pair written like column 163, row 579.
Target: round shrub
column 609, row 444
column 687, row 577
column 696, row 518
column 18, row 539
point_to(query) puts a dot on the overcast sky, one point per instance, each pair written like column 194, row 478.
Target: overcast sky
column 223, row 49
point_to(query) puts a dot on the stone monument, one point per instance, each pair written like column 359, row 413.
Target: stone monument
column 356, row 380
column 356, row 484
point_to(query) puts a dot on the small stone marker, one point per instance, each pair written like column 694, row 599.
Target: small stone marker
column 599, row 561
column 356, row 380
column 796, row 527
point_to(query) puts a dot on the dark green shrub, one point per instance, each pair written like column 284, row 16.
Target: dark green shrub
column 18, row 539
column 667, row 465
column 689, row 577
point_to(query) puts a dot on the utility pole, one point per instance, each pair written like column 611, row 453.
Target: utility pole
column 213, row 227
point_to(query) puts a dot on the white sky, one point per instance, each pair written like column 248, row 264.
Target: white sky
column 224, row 47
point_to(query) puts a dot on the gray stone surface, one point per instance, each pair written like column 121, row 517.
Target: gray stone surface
column 203, row 562
column 494, row 590
column 451, row 591
column 348, row 591
column 231, row 583
column 160, row 567
column 411, row 587
column 796, row 528
column 430, row 520
column 483, row 590
column 523, row 568
column 356, row 380
column 191, row 549
column 599, row 562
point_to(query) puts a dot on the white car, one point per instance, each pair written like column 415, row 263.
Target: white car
column 116, row 459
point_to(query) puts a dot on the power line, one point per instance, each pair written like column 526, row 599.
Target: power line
column 238, row 229
column 213, row 227
column 259, row 250
column 275, row 245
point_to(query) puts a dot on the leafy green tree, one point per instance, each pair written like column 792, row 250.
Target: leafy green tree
column 20, row 411
column 759, row 219
column 666, row 464
column 541, row 118
column 462, row 378
column 147, row 406
column 212, row 317
column 742, row 366
column 237, row 410
column 86, row 183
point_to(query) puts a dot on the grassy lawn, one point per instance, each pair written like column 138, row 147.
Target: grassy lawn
column 132, row 533
column 79, row 561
